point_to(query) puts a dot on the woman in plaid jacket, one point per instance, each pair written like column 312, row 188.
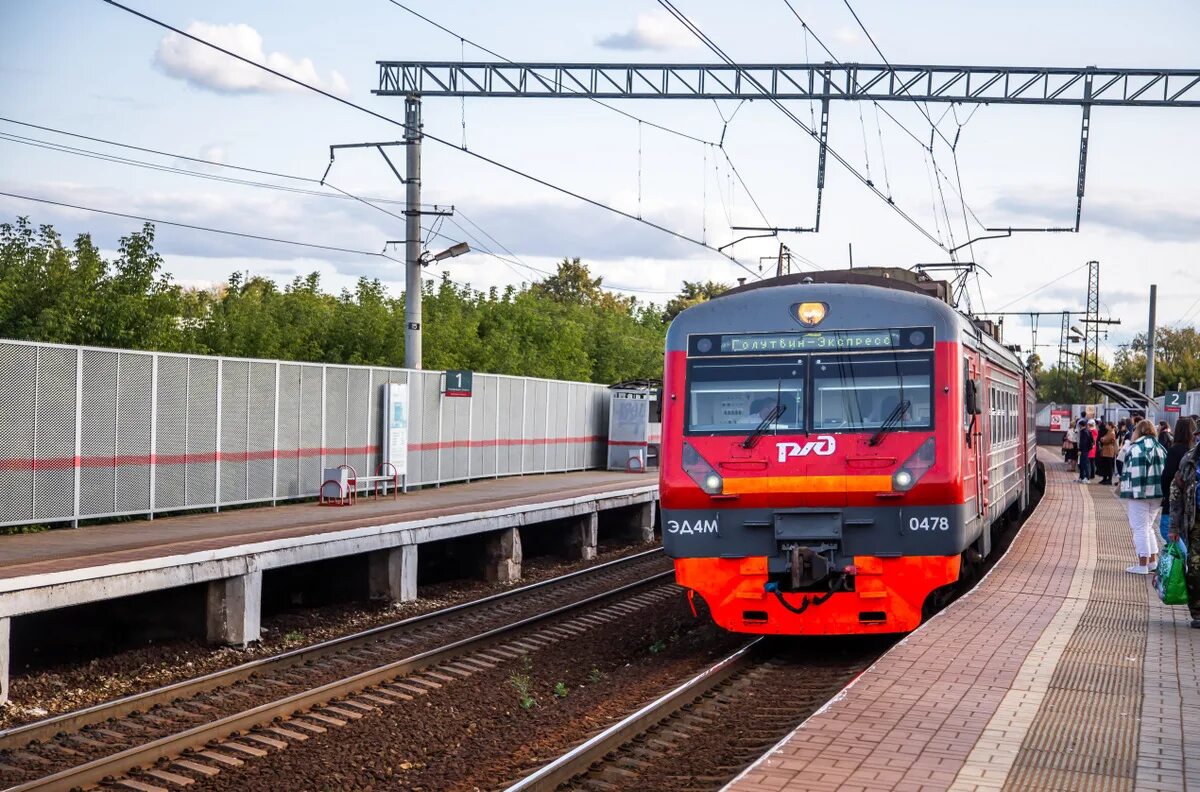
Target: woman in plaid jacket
column 1141, row 486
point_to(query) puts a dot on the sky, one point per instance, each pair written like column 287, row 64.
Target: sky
column 89, row 68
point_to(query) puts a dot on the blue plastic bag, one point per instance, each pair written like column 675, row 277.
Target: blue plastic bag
column 1164, row 524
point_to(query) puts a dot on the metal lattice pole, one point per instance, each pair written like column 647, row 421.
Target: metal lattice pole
column 1090, row 365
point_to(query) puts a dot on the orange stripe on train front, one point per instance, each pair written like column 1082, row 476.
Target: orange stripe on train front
column 741, row 486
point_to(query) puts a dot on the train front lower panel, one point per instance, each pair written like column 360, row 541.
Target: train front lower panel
column 856, row 500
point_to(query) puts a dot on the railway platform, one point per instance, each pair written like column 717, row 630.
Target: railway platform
column 230, row 550
column 1059, row 671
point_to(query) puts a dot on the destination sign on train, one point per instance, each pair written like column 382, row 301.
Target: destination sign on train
column 825, row 341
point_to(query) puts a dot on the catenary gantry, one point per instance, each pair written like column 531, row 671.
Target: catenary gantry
column 1038, row 85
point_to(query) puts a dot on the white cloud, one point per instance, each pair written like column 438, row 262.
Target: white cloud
column 846, row 35
column 650, row 32
column 213, row 152
column 206, row 68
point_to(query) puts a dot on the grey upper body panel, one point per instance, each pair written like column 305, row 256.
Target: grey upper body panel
column 850, row 307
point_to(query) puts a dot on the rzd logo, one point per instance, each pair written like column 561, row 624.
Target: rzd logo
column 824, row 445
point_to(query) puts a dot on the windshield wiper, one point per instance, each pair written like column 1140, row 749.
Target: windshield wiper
column 773, row 416
column 889, row 422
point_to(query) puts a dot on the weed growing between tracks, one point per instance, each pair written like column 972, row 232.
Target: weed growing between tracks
column 476, row 733
column 53, row 686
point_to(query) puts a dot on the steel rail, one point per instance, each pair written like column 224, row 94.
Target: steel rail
column 19, row 736
column 117, row 764
column 577, row 761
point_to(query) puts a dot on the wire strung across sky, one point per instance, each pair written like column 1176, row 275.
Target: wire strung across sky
column 935, row 129
column 749, row 77
column 670, row 130
column 194, row 227
column 426, row 135
column 340, row 193
column 99, row 155
column 879, row 107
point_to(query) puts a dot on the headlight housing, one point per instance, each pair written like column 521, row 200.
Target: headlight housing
column 915, row 467
column 700, row 471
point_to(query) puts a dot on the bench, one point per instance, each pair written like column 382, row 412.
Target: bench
column 346, row 481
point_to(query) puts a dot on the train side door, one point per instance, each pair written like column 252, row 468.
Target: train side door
column 973, row 417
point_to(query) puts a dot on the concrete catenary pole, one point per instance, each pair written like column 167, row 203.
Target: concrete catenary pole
column 1150, row 343
column 412, row 246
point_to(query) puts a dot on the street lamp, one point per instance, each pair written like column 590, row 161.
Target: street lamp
column 451, row 252
column 412, row 299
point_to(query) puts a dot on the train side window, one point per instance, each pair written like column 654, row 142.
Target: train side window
column 970, row 394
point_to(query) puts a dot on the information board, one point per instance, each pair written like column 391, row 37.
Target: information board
column 395, row 426
column 1060, row 420
column 909, row 338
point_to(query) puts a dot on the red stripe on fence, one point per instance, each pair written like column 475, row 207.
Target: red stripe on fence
column 513, row 441
column 69, row 463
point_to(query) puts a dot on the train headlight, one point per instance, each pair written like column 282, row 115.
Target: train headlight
column 811, row 313
column 914, row 467
column 700, row 471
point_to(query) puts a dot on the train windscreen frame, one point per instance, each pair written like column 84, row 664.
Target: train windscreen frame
column 847, row 381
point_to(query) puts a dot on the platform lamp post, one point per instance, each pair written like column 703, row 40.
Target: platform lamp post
column 412, row 298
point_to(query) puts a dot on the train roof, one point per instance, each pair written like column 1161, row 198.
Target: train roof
column 914, row 298
column 883, row 277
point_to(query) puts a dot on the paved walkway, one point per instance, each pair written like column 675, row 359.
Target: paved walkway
column 1060, row 671
column 138, row 539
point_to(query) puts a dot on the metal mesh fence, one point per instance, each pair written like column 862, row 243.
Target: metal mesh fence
column 87, row 433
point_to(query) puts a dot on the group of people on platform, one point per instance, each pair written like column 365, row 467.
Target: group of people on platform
column 1156, row 469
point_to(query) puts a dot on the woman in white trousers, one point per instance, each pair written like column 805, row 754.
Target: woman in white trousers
column 1141, row 488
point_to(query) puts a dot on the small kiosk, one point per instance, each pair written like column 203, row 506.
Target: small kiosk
column 634, row 425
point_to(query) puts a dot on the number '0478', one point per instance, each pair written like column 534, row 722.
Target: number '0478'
column 929, row 523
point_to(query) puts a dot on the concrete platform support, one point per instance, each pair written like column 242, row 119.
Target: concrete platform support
column 581, row 537
column 502, row 561
column 392, row 574
column 235, row 609
column 640, row 527
column 5, row 654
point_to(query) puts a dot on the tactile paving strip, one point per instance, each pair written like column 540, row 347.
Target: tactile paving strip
column 1085, row 735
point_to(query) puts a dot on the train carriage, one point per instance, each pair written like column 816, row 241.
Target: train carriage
column 836, row 448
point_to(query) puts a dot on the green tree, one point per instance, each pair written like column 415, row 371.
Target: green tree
column 692, row 293
column 1176, row 359
column 572, row 284
column 565, row 327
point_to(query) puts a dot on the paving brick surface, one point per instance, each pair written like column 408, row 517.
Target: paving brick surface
column 1059, row 671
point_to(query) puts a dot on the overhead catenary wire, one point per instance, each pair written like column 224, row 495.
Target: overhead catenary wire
column 640, row 121
column 196, row 227
column 1047, row 284
column 497, row 55
column 749, row 77
column 112, row 158
column 426, row 135
column 878, row 106
column 340, row 193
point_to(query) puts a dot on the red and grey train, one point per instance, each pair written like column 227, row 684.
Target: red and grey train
column 837, row 447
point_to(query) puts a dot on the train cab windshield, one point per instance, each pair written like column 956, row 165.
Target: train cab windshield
column 734, row 396
column 823, row 393
column 860, row 392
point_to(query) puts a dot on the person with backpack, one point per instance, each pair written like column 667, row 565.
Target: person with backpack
column 1141, row 487
column 1185, row 495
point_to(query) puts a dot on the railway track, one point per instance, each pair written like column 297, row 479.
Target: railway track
column 173, row 736
column 704, row 732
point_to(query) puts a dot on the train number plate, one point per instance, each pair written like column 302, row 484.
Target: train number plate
column 929, row 523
